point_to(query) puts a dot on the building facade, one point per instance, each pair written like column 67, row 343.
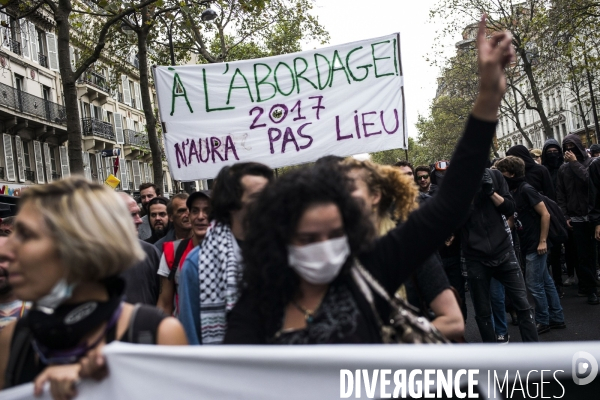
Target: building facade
column 33, row 119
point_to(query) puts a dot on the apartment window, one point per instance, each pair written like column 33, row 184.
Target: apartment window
column 26, row 158
column 53, row 161
column 19, row 82
column 560, row 101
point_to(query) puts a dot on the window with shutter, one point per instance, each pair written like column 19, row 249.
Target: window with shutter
column 48, row 158
column 72, row 58
column 52, row 51
column 39, row 161
column 109, row 166
column 9, row 160
column 64, row 162
column 126, row 91
column 119, row 128
column 138, row 96
column 87, row 168
column 20, row 158
column 149, row 174
column 33, row 42
column 24, row 38
column 100, row 167
column 124, row 177
column 137, row 174
column 5, row 29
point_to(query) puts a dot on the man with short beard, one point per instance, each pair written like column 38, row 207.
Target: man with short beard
column 148, row 191
column 10, row 308
column 158, row 218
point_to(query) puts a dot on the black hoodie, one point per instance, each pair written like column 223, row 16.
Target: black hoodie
column 553, row 163
column 536, row 175
column 572, row 189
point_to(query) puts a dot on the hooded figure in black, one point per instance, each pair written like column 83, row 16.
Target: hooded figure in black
column 536, row 175
column 572, row 197
column 552, row 161
column 572, row 188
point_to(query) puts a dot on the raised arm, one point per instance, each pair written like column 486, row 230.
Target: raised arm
column 397, row 254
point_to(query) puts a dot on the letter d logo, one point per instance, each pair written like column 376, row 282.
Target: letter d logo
column 582, row 367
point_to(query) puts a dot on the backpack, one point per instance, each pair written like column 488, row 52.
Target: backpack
column 173, row 255
column 558, row 231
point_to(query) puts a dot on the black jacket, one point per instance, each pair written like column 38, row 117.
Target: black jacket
column 594, row 188
column 553, row 164
column 484, row 236
column 536, row 175
column 572, row 189
column 395, row 256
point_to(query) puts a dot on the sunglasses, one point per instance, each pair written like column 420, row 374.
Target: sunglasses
column 422, row 177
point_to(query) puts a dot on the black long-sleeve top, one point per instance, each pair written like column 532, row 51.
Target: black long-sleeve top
column 395, row 256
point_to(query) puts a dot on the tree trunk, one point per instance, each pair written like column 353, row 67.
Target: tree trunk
column 155, row 149
column 69, row 89
column 536, row 94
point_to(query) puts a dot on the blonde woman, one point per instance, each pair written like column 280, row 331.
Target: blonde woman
column 71, row 241
column 388, row 197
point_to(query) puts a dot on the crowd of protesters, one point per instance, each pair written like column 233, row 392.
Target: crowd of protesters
column 259, row 260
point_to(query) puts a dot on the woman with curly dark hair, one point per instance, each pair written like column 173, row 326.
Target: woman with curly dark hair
column 305, row 233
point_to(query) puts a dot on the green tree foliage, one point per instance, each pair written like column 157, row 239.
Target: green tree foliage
column 248, row 29
column 533, row 70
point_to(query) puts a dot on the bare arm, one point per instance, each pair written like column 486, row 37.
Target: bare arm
column 540, row 208
column 165, row 298
column 497, row 199
column 449, row 320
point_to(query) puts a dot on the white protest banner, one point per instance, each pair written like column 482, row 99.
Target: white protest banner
column 484, row 371
column 283, row 110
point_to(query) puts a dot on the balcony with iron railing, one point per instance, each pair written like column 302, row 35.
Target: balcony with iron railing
column 94, row 79
column 43, row 59
column 29, row 175
column 29, row 104
column 137, row 139
column 96, row 127
column 14, row 46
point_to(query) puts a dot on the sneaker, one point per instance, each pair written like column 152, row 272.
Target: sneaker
column 593, row 299
column 541, row 328
column 503, row 339
column 570, row 281
column 557, row 325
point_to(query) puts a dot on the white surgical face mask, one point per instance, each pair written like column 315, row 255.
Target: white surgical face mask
column 319, row 263
column 59, row 293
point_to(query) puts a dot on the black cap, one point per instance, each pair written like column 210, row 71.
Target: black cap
column 202, row 193
column 157, row 200
column 595, row 148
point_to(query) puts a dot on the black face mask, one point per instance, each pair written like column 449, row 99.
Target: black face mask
column 514, row 183
column 4, row 287
column 70, row 323
column 553, row 160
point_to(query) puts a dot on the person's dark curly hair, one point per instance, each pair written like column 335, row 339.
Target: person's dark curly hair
column 228, row 190
column 272, row 222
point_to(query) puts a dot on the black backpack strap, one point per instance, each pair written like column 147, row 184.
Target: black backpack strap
column 144, row 323
column 178, row 254
column 20, row 345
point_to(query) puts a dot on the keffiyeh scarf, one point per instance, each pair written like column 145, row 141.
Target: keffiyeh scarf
column 219, row 267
